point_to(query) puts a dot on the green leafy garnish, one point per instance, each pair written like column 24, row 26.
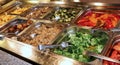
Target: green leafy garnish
column 82, row 41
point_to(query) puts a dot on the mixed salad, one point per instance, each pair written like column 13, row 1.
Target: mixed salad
column 81, row 41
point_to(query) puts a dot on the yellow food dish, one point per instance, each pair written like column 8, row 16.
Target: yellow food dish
column 19, row 10
column 5, row 18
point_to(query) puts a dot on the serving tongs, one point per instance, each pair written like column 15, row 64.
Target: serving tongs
column 111, row 30
column 101, row 56
column 115, row 30
column 3, row 35
column 44, row 47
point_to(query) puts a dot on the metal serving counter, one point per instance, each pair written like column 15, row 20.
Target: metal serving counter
column 31, row 54
column 8, row 59
column 105, row 1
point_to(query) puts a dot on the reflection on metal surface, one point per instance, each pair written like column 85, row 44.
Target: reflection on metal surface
column 76, row 0
column 61, row 60
column 9, row 5
column 66, row 61
column 98, row 4
column 99, row 7
column 27, row 52
column 2, row 42
column 58, row 2
column 33, row 1
column 36, row 1
column 11, row 45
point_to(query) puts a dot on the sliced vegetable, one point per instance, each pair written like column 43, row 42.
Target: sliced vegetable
column 65, row 14
column 102, row 20
column 115, row 54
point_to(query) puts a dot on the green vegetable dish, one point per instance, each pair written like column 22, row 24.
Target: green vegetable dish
column 65, row 14
column 81, row 41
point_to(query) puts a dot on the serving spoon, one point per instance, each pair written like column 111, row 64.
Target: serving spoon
column 101, row 56
column 111, row 30
column 3, row 35
column 62, row 45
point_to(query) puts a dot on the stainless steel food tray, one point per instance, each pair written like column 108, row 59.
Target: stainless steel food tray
column 28, row 35
column 79, row 11
column 4, row 2
column 3, row 26
column 109, row 50
column 97, row 10
column 112, row 43
column 14, row 24
column 31, row 12
column 19, row 6
column 71, row 29
column 9, row 5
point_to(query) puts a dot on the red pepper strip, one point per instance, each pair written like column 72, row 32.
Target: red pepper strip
column 86, row 23
column 105, row 62
column 107, row 21
column 117, row 47
column 114, row 54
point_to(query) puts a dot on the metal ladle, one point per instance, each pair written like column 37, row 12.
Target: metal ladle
column 101, row 57
column 111, row 30
column 62, row 45
column 1, row 37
